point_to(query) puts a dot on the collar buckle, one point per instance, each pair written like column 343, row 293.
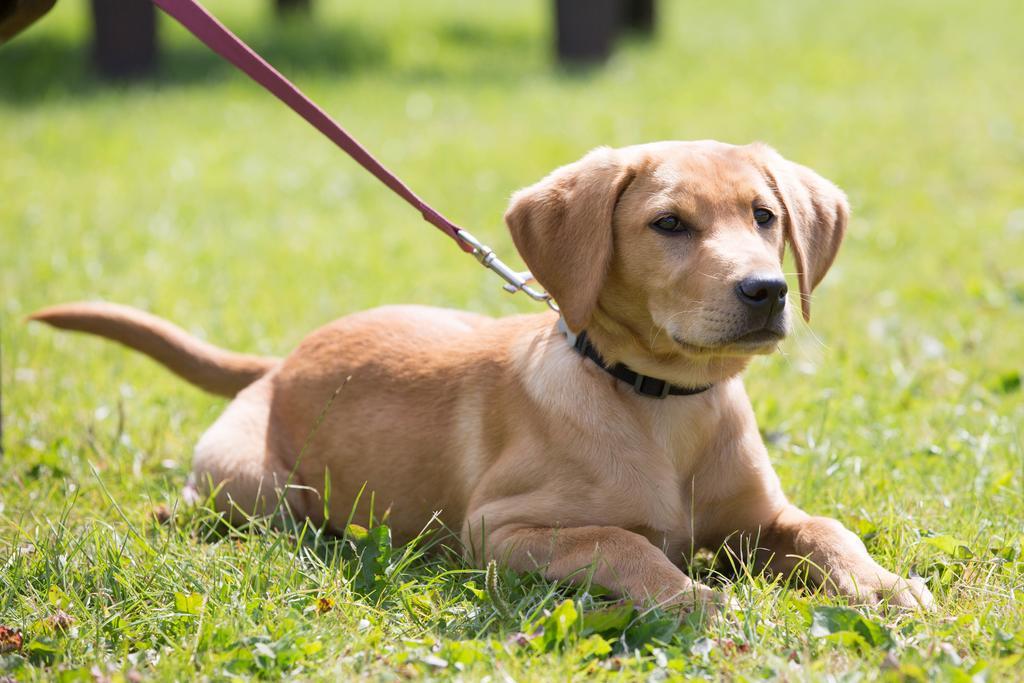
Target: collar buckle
column 642, row 382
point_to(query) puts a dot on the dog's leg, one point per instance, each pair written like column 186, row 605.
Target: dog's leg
column 236, row 459
column 619, row 560
column 835, row 558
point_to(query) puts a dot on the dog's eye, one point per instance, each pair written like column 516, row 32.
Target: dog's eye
column 763, row 217
column 669, row 223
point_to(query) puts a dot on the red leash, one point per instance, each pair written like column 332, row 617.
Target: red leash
column 218, row 38
column 204, row 26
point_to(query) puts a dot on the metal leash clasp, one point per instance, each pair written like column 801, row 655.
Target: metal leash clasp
column 514, row 281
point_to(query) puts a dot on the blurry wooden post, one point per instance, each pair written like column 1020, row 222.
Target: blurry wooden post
column 293, row 6
column 639, row 15
column 124, row 37
column 585, row 29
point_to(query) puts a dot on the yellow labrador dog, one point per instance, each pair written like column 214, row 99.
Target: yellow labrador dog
column 605, row 444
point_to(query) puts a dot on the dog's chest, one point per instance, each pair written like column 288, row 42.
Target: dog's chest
column 677, row 519
column 662, row 468
column 666, row 514
column 689, row 479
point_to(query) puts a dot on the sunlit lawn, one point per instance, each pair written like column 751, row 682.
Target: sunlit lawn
column 200, row 198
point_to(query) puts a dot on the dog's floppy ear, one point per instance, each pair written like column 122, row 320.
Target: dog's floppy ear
column 562, row 227
column 815, row 220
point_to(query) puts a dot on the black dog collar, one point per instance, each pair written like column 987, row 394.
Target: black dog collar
column 642, row 384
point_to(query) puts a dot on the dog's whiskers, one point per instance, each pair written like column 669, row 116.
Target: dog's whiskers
column 809, row 329
column 658, row 329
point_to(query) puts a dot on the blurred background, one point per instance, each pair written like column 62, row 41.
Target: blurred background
column 188, row 191
column 138, row 167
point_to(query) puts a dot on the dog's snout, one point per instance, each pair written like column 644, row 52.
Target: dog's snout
column 763, row 292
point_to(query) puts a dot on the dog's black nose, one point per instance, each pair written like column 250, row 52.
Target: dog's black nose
column 763, row 292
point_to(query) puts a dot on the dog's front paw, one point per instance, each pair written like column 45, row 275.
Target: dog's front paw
column 878, row 586
column 709, row 604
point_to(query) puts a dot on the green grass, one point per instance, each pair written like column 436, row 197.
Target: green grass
column 198, row 197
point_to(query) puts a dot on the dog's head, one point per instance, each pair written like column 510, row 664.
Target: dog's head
column 679, row 245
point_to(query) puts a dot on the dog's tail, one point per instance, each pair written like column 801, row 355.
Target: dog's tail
column 204, row 365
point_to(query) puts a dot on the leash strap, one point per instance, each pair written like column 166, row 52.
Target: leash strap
column 204, row 26
column 218, row 38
